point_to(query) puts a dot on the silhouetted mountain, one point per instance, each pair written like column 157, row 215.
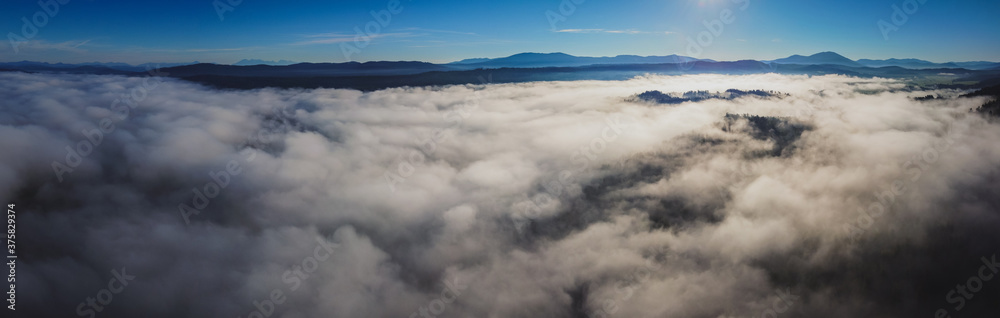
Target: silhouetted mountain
column 566, row 60
column 471, row 61
column 591, row 72
column 819, row 59
column 534, row 60
column 921, row 64
column 980, row 65
column 263, row 62
column 907, row 63
column 256, row 67
column 379, row 75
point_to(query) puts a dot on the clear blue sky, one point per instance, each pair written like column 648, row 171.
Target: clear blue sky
column 443, row 31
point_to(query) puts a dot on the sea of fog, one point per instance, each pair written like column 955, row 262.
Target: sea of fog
column 834, row 197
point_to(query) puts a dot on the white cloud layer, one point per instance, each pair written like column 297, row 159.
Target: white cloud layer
column 547, row 199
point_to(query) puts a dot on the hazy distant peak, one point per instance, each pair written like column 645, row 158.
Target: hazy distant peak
column 471, row 61
column 559, row 59
column 818, row 59
column 263, row 62
column 533, row 54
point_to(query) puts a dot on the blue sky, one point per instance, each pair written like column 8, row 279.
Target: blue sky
column 443, row 31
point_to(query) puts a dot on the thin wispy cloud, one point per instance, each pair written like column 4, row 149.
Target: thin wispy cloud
column 148, row 50
column 219, row 49
column 438, row 31
column 43, row 45
column 611, row 31
column 422, row 37
column 334, row 38
column 179, row 26
column 580, row 31
column 454, row 44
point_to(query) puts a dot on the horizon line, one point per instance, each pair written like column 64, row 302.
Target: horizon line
column 493, row 58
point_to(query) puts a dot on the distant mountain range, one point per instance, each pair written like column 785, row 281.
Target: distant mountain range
column 524, row 60
column 472, row 61
column 907, row 63
column 837, row 59
column 824, row 58
column 921, row 64
column 256, row 67
column 937, row 78
column 523, row 67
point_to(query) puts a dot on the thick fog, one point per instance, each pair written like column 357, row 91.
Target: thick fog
column 844, row 198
